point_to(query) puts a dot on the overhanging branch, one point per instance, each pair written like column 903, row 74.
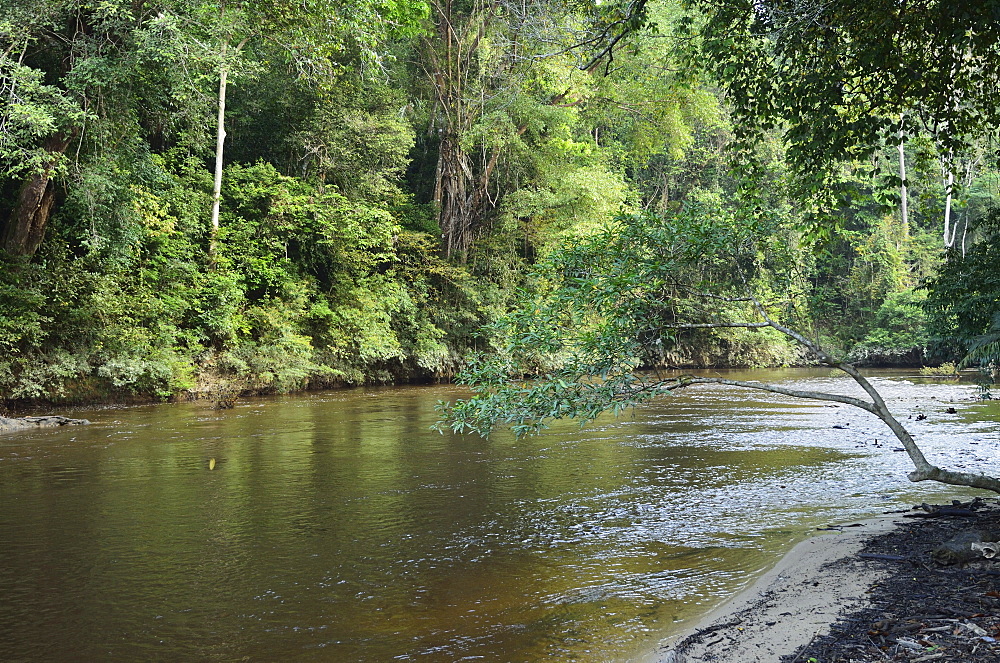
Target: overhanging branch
column 774, row 389
column 924, row 470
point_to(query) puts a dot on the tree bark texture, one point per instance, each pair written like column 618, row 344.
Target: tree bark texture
column 456, row 214
column 452, row 66
column 25, row 227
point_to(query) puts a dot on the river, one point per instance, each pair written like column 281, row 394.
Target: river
column 337, row 526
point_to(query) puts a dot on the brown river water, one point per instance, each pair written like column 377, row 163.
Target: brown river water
column 337, row 526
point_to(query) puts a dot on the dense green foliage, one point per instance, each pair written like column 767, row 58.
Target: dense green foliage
column 964, row 302
column 644, row 294
column 393, row 170
column 842, row 78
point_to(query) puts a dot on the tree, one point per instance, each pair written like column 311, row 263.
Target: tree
column 508, row 82
column 217, row 32
column 841, row 79
column 610, row 310
column 475, row 58
column 56, row 60
column 226, row 48
column 963, row 300
column 846, row 76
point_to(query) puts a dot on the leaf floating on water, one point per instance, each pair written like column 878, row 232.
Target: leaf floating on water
column 211, row 463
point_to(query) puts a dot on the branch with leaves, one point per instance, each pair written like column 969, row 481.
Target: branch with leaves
column 586, row 342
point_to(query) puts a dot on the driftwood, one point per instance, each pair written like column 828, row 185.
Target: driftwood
column 952, row 612
column 944, row 512
column 967, row 546
column 955, row 509
column 989, row 549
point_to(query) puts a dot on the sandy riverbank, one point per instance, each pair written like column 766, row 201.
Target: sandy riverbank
column 788, row 606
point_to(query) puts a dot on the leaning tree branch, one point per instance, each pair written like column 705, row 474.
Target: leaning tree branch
column 687, row 381
column 880, row 409
column 717, row 325
column 924, row 470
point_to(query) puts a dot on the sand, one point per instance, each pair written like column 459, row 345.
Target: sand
column 788, row 606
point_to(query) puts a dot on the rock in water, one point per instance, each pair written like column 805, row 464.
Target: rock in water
column 49, row 421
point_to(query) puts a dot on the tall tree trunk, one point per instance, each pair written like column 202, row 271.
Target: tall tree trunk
column 949, row 231
column 453, row 198
column 25, row 227
column 466, row 190
column 220, row 133
column 903, row 203
column 220, row 141
column 462, row 180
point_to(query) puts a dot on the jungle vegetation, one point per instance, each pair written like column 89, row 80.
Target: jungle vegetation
column 840, row 84
column 216, row 195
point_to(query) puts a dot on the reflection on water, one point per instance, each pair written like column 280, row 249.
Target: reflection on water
column 337, row 527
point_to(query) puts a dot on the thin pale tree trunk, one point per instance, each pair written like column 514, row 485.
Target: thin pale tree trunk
column 903, row 203
column 965, row 231
column 949, row 232
column 220, row 136
column 220, row 141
